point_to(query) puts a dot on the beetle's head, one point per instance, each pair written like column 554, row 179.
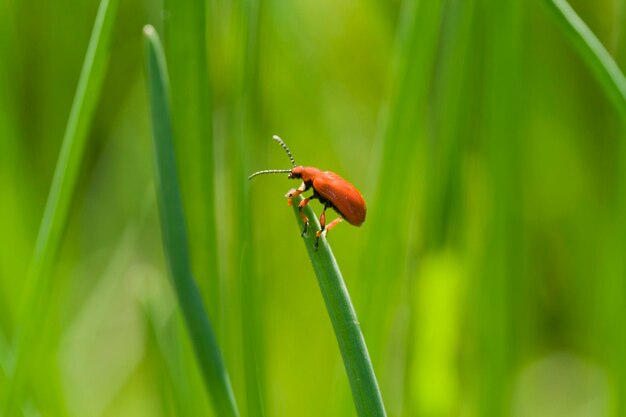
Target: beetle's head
column 295, row 172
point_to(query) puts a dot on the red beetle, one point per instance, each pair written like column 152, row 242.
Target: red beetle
column 329, row 188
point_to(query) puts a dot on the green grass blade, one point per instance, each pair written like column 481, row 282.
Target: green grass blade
column 186, row 49
column 246, row 128
column 404, row 130
column 497, row 284
column 175, row 236
column 593, row 52
column 174, row 391
column 365, row 392
column 55, row 216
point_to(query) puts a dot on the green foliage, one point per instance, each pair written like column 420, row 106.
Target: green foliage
column 486, row 136
column 592, row 51
column 55, row 218
column 175, row 235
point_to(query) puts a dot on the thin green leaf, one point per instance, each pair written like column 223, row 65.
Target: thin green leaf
column 246, row 128
column 404, row 130
column 356, row 359
column 175, row 235
column 592, row 52
column 55, row 216
column 186, row 49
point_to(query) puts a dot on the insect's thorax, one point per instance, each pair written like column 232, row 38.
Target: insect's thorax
column 308, row 174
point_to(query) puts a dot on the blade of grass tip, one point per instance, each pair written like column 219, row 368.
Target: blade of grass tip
column 175, row 236
column 56, row 211
column 365, row 392
column 593, row 52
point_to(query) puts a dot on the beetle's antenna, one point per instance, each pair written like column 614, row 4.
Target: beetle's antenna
column 282, row 143
column 277, row 171
column 270, row 171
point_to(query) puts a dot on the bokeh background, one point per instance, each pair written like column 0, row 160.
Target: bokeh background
column 489, row 276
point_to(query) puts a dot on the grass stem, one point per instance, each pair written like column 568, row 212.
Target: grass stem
column 356, row 359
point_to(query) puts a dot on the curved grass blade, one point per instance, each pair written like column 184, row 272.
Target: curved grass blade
column 175, row 236
column 55, row 215
column 365, row 392
column 593, row 52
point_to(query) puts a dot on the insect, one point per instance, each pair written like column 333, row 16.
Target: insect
column 329, row 188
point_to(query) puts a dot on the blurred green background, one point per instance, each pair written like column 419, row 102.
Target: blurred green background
column 489, row 276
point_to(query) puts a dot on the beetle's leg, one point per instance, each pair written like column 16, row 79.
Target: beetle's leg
column 323, row 218
column 324, row 230
column 295, row 192
column 322, row 225
column 304, row 218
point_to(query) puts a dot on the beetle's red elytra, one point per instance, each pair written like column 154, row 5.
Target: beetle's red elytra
column 329, row 188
